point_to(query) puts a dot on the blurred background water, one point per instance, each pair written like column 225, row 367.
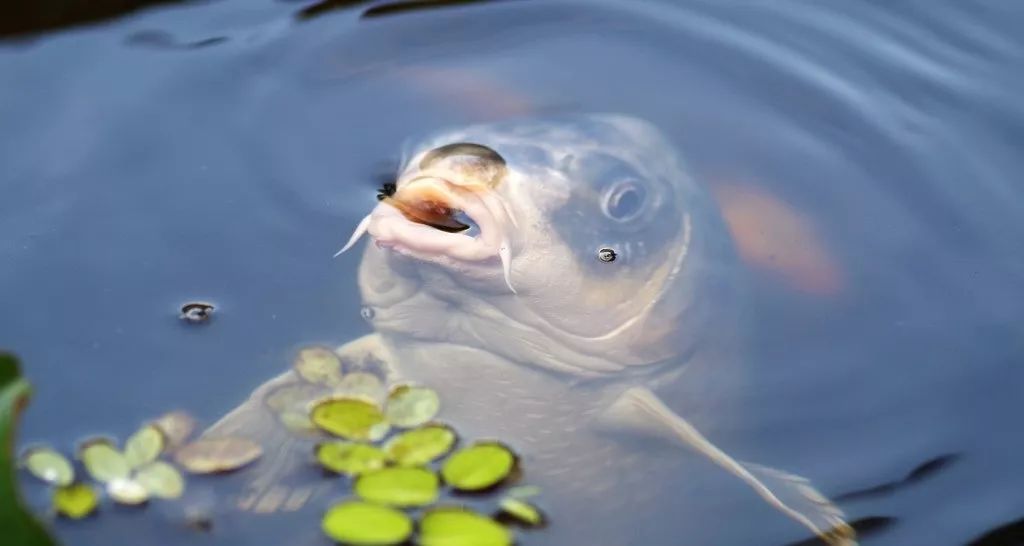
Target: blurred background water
column 223, row 150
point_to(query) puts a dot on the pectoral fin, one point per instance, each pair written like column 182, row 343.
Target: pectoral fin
column 639, row 409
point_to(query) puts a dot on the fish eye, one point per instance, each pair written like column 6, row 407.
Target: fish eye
column 624, row 201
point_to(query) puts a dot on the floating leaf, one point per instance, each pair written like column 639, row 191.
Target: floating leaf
column 420, row 446
column 522, row 511
column 49, row 465
column 103, row 461
column 177, row 426
column 350, row 458
column 161, row 480
column 224, row 454
column 361, row 384
column 479, row 466
column 318, row 365
column 350, row 418
column 450, row 526
column 400, row 486
column 126, row 491
column 366, row 524
column 294, row 397
column 410, row 406
column 299, row 423
column 144, row 446
column 75, row 501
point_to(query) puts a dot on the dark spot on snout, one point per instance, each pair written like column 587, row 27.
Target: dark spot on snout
column 196, row 312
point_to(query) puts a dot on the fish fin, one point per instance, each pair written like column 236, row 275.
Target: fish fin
column 639, row 409
column 284, row 452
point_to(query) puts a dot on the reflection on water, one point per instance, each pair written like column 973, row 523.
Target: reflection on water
column 230, row 157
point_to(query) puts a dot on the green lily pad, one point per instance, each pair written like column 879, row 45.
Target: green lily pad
column 161, row 480
column 522, row 511
column 452, row 526
column 127, row 491
column 410, row 406
column 365, row 524
column 299, row 423
column 420, row 446
column 223, row 454
column 318, row 365
column 350, row 418
column 479, row 466
column 103, row 461
column 75, row 501
column 144, row 446
column 49, row 465
column 399, row 486
column 350, row 458
column 176, row 427
column 358, row 384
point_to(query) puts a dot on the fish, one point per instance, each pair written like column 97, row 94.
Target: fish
column 567, row 287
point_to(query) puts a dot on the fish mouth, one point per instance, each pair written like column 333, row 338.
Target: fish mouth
column 420, row 219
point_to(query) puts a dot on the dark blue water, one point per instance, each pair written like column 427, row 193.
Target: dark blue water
column 223, row 151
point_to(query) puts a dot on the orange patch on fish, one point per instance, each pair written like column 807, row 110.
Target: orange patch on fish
column 770, row 235
column 472, row 92
column 427, row 205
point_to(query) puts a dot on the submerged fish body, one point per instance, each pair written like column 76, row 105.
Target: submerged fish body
column 531, row 339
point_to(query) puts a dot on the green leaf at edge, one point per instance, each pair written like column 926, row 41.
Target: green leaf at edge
column 19, row 526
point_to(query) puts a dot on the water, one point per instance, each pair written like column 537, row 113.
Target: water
column 222, row 151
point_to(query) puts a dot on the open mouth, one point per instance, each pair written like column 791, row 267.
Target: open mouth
column 427, row 217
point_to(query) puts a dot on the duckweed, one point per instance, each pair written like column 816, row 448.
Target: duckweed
column 75, row 501
column 350, row 458
column 212, row 455
column 49, row 466
column 399, row 486
column 478, row 467
column 411, row 406
column 351, row 418
column 366, row 524
column 420, row 446
column 103, row 461
column 454, row 526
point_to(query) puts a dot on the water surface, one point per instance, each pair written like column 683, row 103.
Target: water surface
column 222, row 151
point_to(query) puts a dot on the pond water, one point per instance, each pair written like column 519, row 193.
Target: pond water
column 223, row 151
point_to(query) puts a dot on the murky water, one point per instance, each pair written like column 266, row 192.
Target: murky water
column 223, row 151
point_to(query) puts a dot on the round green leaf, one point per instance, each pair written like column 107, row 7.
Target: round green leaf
column 127, row 491
column 103, row 461
column 224, row 454
column 49, row 465
column 299, row 423
column 420, row 446
column 75, row 501
column 161, row 480
column 358, row 384
column 350, row 418
column 144, row 446
column 400, row 486
column 479, row 466
column 410, row 406
column 365, row 524
column 522, row 511
column 450, row 526
column 176, row 427
column 349, row 458
column 318, row 365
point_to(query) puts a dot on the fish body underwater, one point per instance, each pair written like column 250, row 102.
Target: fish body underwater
column 569, row 289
